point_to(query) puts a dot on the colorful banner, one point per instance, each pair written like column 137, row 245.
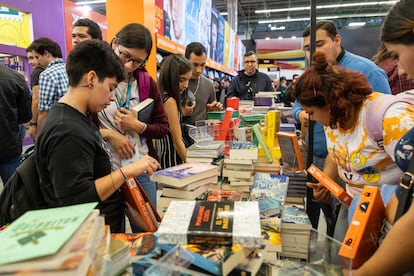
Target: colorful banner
column 192, row 21
column 15, row 27
column 226, row 50
column 159, row 17
column 220, row 39
column 204, row 29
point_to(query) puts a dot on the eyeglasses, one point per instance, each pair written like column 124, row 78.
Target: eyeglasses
column 250, row 61
column 126, row 57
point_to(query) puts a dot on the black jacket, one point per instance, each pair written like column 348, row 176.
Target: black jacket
column 15, row 108
column 245, row 87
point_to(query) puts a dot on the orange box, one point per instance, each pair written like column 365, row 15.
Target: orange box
column 364, row 231
column 331, row 185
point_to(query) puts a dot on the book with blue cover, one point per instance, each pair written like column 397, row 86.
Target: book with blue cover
column 295, row 217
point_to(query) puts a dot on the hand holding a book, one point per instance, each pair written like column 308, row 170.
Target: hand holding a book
column 320, row 193
column 123, row 146
column 127, row 121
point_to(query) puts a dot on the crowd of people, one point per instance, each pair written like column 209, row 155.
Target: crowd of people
column 88, row 141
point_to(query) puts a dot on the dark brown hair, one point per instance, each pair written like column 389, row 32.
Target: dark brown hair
column 342, row 89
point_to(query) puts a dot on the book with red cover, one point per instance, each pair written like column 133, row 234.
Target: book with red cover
column 364, row 231
column 140, row 209
column 331, row 185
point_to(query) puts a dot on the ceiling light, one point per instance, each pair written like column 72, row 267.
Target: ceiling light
column 280, row 37
column 267, row 38
column 224, row 13
column 333, row 6
column 357, row 24
column 282, row 20
column 91, row 2
column 293, row 37
column 274, row 28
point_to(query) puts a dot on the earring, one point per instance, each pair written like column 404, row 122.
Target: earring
column 90, row 85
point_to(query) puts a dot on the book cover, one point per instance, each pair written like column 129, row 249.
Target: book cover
column 136, row 199
column 184, row 174
column 138, row 244
column 249, row 266
column 226, row 123
column 217, row 259
column 364, row 231
column 291, row 153
column 143, row 110
column 75, row 256
column 259, row 137
column 224, row 195
column 294, row 216
column 331, row 185
column 243, row 150
column 205, row 222
column 41, row 232
column 185, row 194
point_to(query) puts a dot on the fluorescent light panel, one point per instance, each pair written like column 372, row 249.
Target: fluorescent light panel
column 357, row 24
column 333, row 6
column 282, row 20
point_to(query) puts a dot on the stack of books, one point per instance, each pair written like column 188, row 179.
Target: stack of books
column 217, row 235
column 55, row 241
column 270, row 192
column 186, row 181
column 295, row 232
column 205, row 152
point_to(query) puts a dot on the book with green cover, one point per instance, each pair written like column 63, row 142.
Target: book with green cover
column 41, row 232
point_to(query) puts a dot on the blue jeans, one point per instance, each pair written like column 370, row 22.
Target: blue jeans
column 150, row 188
column 8, row 166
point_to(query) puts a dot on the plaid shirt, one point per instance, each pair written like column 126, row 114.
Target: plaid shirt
column 53, row 84
column 398, row 83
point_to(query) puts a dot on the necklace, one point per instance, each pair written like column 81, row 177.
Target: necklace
column 198, row 86
column 72, row 101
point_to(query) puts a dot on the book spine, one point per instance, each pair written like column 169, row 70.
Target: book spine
column 363, row 234
column 226, row 123
column 331, row 185
column 133, row 195
column 271, row 128
column 258, row 133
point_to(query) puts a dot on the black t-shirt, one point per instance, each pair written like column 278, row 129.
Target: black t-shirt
column 70, row 155
column 34, row 78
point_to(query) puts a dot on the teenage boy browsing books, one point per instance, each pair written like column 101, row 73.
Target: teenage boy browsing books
column 72, row 159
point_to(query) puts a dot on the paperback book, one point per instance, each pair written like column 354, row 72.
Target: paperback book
column 184, row 174
column 143, row 110
column 206, row 222
column 224, row 195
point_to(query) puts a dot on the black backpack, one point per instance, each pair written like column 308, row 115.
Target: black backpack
column 22, row 191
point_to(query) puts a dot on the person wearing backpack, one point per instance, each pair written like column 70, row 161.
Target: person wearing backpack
column 72, row 158
column 395, row 254
column 339, row 99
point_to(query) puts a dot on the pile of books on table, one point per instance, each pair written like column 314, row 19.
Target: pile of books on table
column 212, row 237
column 269, row 190
column 187, row 181
column 295, row 232
column 57, row 241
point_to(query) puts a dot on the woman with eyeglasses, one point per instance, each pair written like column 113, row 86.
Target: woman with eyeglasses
column 395, row 255
column 129, row 138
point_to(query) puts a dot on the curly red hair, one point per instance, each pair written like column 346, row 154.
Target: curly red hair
column 342, row 89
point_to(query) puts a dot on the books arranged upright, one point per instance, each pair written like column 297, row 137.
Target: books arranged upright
column 143, row 110
column 295, row 231
column 331, row 185
column 205, row 222
column 258, row 134
column 270, row 192
column 61, row 241
column 292, row 156
column 140, row 209
column 364, row 231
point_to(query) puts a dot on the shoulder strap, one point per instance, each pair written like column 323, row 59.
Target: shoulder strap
column 144, row 84
column 376, row 110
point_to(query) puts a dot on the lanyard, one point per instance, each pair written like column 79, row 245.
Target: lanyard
column 127, row 96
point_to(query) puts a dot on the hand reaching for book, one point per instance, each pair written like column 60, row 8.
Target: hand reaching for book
column 146, row 164
column 320, row 193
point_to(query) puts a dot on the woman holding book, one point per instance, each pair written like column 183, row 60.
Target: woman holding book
column 395, row 254
column 72, row 159
column 129, row 138
column 173, row 81
column 339, row 99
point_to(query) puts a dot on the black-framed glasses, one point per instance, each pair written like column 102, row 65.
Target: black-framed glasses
column 126, row 57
